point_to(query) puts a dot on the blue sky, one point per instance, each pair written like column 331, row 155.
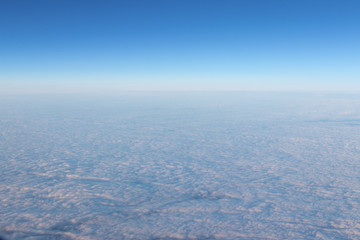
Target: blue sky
column 80, row 46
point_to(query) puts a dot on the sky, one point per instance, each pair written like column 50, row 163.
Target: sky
column 103, row 46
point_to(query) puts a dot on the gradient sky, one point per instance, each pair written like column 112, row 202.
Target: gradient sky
column 85, row 45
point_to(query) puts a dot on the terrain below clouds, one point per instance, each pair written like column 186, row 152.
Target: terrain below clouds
column 180, row 166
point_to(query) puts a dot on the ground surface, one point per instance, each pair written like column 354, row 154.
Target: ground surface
column 180, row 166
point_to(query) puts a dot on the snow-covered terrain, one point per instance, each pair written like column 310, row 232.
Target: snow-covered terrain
column 180, row 166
